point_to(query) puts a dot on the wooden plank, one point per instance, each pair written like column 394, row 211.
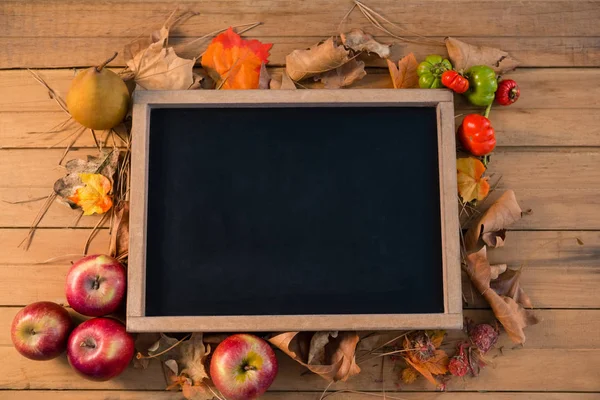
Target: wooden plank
column 69, row 52
column 557, row 273
column 125, row 18
column 162, row 395
column 561, row 186
column 19, row 372
column 515, row 370
column 559, row 329
column 541, row 88
column 514, row 128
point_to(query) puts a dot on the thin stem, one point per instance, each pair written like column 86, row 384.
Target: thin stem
column 140, row 356
column 99, row 67
column 487, row 110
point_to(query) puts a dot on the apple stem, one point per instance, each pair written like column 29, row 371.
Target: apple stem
column 96, row 283
column 88, row 343
column 99, row 67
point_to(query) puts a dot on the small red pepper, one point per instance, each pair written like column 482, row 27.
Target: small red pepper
column 508, row 92
column 455, row 81
column 477, row 135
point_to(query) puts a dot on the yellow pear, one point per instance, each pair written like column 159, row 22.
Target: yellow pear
column 98, row 98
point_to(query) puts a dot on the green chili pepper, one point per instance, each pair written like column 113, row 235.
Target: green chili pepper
column 430, row 71
column 482, row 85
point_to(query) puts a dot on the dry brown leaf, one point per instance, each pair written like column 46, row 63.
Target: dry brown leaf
column 193, row 354
column 119, row 237
column 155, row 66
column 409, row 375
column 464, row 56
column 143, row 343
column 496, row 270
column 323, row 57
column 336, row 354
column 513, row 317
column 264, row 78
column 105, row 164
column 404, row 76
column 421, row 353
column 342, row 76
column 491, row 226
column 508, row 284
column 358, row 40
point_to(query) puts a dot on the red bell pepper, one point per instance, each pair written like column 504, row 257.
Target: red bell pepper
column 477, row 135
column 508, row 92
column 455, row 81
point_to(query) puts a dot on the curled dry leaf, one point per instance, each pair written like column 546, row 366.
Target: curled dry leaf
column 491, row 227
column 471, row 184
column 508, row 284
column 342, row 76
column 496, row 270
column 404, row 76
column 464, row 56
column 235, row 63
column 511, row 314
column 264, row 78
column 358, row 40
column 323, row 57
column 155, row 66
column 333, row 357
column 285, row 83
column 119, row 237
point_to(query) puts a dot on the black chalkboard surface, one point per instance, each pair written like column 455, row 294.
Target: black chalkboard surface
column 288, row 211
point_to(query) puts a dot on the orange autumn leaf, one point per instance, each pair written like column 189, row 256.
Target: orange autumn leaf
column 93, row 197
column 404, row 76
column 471, row 185
column 234, row 62
column 422, row 355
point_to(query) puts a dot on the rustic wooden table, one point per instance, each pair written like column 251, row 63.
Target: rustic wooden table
column 548, row 152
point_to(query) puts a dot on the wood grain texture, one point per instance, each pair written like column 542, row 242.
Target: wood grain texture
column 282, row 18
column 541, row 88
column 69, row 52
column 162, row 395
column 514, row 128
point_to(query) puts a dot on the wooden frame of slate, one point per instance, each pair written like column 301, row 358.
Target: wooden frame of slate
column 440, row 100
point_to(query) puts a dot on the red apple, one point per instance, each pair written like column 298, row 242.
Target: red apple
column 40, row 330
column 243, row 367
column 96, row 285
column 100, row 349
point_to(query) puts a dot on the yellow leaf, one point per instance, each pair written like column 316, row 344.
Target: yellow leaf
column 405, row 75
column 471, row 186
column 409, row 375
column 94, row 196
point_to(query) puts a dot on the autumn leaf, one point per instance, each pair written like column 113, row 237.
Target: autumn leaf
column 119, row 237
column 235, row 63
column 409, row 375
column 105, row 164
column 491, row 227
column 158, row 67
column 358, row 41
column 264, row 78
column 405, row 75
column 342, row 76
column 508, row 284
column 471, row 185
column 464, row 56
column 285, row 83
column 93, row 197
column 323, row 57
column 193, row 354
column 422, row 354
column 328, row 354
column 513, row 317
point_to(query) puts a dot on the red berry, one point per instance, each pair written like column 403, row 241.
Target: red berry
column 458, row 366
column 483, row 336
